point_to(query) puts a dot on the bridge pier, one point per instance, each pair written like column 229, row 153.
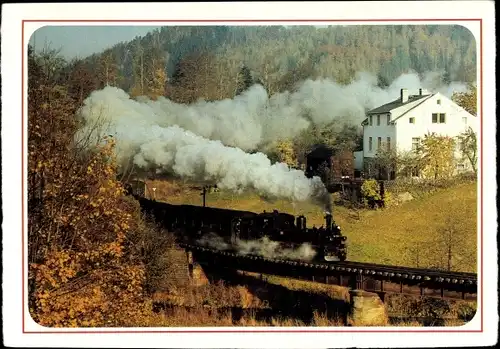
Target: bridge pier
column 367, row 309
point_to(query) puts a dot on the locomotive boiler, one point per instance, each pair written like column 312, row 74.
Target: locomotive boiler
column 292, row 232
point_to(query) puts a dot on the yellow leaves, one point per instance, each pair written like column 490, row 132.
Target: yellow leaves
column 81, row 197
column 467, row 100
column 286, row 153
column 437, row 156
column 86, row 217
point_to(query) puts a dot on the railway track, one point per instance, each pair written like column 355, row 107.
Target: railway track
column 464, row 283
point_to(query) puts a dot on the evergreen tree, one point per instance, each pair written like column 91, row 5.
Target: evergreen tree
column 244, row 79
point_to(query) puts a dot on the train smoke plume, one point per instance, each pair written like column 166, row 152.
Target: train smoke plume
column 262, row 247
column 141, row 138
column 254, row 119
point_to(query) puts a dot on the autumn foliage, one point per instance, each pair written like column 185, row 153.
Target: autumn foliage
column 467, row 100
column 286, row 153
column 83, row 268
column 437, row 156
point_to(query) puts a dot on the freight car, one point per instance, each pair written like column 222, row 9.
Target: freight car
column 191, row 223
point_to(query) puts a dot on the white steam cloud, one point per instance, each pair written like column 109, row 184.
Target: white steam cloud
column 262, row 247
column 174, row 150
column 205, row 141
column 253, row 119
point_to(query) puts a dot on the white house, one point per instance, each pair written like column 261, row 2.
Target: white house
column 403, row 123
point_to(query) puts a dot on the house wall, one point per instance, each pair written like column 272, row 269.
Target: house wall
column 422, row 115
column 402, row 132
column 358, row 160
column 376, row 131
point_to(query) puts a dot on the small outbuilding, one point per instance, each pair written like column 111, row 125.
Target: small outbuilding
column 330, row 164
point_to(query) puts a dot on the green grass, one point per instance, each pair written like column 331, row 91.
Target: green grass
column 415, row 234
column 418, row 233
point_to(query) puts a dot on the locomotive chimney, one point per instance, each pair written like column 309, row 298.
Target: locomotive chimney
column 328, row 219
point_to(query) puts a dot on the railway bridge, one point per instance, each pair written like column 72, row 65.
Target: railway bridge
column 368, row 283
column 376, row 278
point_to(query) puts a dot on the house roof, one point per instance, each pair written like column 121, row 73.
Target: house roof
column 416, row 105
column 386, row 108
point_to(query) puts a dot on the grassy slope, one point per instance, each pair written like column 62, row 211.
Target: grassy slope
column 411, row 234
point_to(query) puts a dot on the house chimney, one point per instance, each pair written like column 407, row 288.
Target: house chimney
column 422, row 91
column 404, row 95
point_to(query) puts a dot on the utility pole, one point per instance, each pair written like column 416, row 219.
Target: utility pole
column 204, row 194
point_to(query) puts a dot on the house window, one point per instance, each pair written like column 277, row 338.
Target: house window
column 379, row 143
column 464, row 120
column 438, row 118
column 370, row 144
column 388, row 119
column 371, row 120
column 378, row 120
column 438, row 101
column 388, row 143
column 411, row 120
column 415, row 143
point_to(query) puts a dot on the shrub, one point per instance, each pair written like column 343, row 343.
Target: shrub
column 370, row 191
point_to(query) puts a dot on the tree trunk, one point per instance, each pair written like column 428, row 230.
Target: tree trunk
column 142, row 75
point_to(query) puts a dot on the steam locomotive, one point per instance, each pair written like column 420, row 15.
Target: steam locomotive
column 191, row 223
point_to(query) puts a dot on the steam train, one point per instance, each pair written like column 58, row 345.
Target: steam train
column 191, row 223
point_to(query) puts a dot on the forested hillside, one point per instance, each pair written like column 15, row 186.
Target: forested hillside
column 94, row 261
column 217, row 62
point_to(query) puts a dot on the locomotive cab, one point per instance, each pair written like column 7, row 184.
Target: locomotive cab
column 334, row 248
